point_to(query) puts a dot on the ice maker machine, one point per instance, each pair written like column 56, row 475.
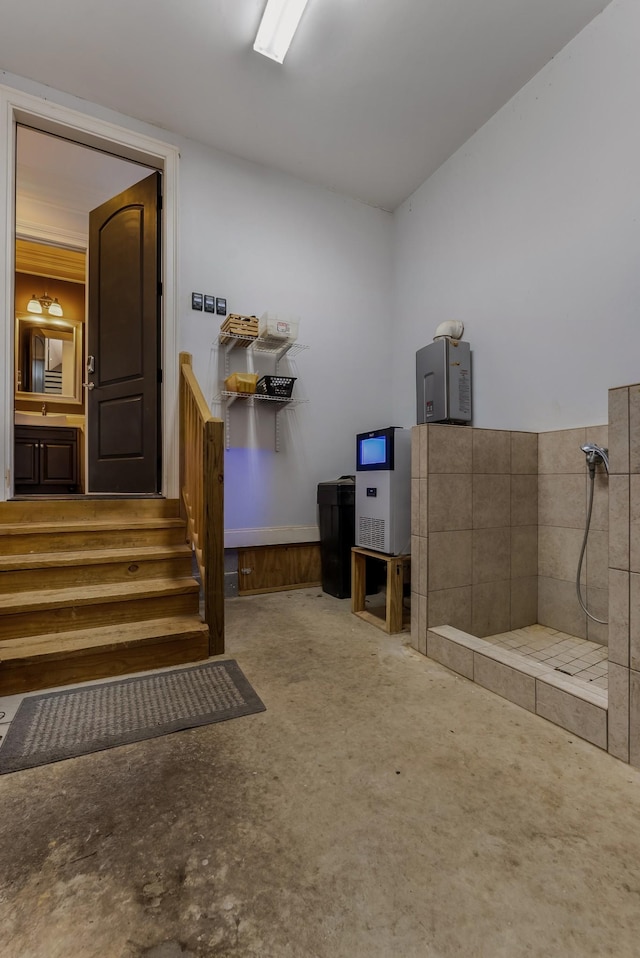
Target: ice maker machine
column 443, row 381
column 383, row 490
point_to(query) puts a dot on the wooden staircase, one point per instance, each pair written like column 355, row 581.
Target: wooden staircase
column 94, row 587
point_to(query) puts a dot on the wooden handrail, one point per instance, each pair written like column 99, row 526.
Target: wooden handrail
column 201, row 487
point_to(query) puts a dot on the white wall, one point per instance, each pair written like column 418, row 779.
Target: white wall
column 267, row 241
column 530, row 234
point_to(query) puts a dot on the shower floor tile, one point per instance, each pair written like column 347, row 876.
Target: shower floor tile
column 576, row 658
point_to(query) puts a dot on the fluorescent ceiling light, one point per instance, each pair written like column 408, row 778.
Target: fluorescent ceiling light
column 279, row 23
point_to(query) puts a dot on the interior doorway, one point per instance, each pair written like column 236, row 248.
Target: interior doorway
column 66, row 440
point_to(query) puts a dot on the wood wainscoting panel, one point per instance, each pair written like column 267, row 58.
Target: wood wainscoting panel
column 277, row 568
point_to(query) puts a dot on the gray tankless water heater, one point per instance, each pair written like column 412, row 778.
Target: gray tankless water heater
column 443, row 381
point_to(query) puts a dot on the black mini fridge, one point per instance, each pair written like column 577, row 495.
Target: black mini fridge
column 336, row 507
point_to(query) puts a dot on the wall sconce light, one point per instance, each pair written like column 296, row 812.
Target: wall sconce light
column 44, row 304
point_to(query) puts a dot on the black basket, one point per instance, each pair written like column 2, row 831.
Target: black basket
column 280, row 386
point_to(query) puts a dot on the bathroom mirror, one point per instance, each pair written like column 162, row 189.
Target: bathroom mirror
column 48, row 359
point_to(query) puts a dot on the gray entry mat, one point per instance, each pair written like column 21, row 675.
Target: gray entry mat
column 58, row 725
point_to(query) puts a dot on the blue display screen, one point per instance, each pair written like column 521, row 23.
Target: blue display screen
column 373, row 451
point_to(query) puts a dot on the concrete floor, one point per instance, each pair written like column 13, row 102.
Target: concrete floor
column 381, row 807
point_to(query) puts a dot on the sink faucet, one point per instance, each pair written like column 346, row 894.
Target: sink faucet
column 44, row 409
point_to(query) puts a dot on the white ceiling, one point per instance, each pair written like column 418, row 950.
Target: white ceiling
column 58, row 183
column 373, row 96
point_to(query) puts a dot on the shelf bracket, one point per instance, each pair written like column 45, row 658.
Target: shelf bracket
column 227, row 421
column 276, row 440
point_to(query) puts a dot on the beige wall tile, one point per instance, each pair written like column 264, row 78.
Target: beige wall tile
column 562, row 501
column 524, row 602
column 618, row 717
column 524, row 453
column 634, row 718
column 415, row 452
column 599, row 434
column 523, row 663
column 600, row 510
column 450, row 607
column 422, row 624
column 450, row 448
column 524, row 500
column 424, row 451
column 619, row 617
column 577, row 716
column 423, row 525
column 463, row 638
column 491, row 501
column 597, row 602
column 423, row 565
column 634, row 523
column 524, row 551
column 559, row 551
column 490, row 608
column 597, row 559
column 619, row 522
column 505, row 681
column 415, row 564
column 415, row 507
column 558, row 607
column 619, row 430
column 449, row 502
column 449, row 561
column 559, row 452
column 491, row 451
column 491, row 553
column 456, row 657
column 585, row 691
column 634, row 621
column 415, row 621
column 419, row 622
column 634, row 428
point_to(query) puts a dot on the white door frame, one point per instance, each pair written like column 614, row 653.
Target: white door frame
column 17, row 107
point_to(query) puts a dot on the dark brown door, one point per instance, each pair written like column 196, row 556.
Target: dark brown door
column 123, row 406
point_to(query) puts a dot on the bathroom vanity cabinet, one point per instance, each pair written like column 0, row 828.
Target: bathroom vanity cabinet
column 46, row 460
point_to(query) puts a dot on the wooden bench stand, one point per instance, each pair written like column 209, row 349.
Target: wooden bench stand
column 396, row 565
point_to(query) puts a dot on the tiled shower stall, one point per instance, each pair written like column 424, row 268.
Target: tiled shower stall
column 498, row 520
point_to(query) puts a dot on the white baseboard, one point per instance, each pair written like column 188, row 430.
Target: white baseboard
column 269, row 536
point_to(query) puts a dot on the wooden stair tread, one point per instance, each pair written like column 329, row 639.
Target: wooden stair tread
column 59, row 645
column 108, row 590
column 23, row 602
column 61, row 508
column 91, row 525
column 42, row 560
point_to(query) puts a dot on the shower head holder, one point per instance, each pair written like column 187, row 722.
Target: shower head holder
column 595, row 454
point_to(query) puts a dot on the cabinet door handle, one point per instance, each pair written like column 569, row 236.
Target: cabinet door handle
column 89, row 385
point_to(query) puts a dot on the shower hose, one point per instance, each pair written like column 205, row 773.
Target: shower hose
column 582, row 551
